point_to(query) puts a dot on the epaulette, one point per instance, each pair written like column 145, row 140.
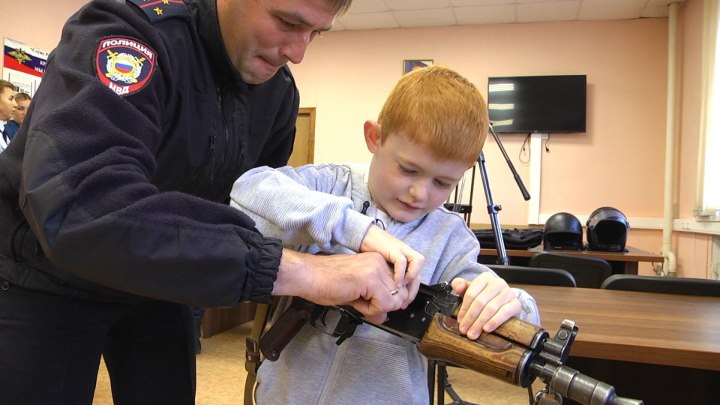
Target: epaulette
column 158, row 10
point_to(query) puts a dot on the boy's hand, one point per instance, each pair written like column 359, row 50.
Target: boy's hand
column 407, row 263
column 487, row 303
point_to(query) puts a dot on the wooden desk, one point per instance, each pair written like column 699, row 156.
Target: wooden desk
column 622, row 262
column 218, row 320
column 661, row 348
column 666, row 329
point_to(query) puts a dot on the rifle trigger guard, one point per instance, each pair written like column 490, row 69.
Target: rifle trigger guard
column 345, row 326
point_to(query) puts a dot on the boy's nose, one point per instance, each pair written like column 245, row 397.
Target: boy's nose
column 418, row 191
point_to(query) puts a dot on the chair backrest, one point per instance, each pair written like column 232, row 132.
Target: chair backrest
column 664, row 285
column 589, row 272
column 533, row 275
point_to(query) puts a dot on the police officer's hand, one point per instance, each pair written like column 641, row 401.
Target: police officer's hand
column 407, row 263
column 363, row 280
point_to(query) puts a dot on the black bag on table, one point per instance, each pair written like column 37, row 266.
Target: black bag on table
column 512, row 238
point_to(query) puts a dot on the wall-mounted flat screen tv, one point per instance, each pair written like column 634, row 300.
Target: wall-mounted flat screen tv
column 547, row 104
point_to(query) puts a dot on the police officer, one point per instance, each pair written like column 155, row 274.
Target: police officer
column 113, row 215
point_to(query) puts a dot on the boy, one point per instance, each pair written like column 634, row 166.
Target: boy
column 430, row 131
column 22, row 103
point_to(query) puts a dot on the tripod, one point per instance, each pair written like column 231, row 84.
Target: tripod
column 493, row 208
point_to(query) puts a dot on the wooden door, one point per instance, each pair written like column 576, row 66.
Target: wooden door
column 304, row 147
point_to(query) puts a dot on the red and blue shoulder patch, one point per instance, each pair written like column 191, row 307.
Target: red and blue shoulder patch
column 125, row 65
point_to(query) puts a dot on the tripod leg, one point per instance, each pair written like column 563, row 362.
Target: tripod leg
column 432, row 365
column 441, row 373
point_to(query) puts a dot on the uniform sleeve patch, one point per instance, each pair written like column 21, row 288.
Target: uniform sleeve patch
column 125, row 65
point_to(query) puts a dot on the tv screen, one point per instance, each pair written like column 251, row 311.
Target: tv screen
column 524, row 104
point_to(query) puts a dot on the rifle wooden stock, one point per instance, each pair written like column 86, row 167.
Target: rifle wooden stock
column 502, row 354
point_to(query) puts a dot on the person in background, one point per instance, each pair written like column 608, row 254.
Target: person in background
column 429, row 133
column 7, row 104
column 114, row 215
column 22, row 103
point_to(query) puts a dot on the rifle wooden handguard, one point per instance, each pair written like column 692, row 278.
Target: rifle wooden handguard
column 502, row 354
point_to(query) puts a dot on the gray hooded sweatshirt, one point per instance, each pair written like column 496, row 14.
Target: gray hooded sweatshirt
column 327, row 208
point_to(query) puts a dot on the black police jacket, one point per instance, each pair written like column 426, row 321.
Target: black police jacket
column 117, row 185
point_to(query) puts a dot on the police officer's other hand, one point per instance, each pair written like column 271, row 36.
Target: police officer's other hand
column 488, row 302
column 363, row 280
column 407, row 263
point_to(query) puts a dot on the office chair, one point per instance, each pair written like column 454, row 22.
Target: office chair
column 664, row 285
column 534, row 275
column 589, row 272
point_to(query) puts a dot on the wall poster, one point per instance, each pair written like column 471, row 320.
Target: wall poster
column 23, row 65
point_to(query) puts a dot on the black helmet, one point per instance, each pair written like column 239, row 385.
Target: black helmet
column 563, row 231
column 607, row 230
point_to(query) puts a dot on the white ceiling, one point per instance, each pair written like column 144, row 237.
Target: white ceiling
column 384, row 14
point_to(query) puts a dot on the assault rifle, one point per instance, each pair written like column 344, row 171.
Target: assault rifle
column 517, row 352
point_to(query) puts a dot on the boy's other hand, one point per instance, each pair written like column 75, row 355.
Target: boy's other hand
column 406, row 261
column 488, row 302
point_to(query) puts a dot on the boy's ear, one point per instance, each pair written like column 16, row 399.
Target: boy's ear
column 372, row 135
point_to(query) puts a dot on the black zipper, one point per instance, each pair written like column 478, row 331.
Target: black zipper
column 365, row 206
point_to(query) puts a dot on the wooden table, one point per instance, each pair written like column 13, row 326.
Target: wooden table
column 666, row 329
column 622, row 262
column 662, row 348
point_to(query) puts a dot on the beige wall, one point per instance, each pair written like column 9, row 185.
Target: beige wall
column 619, row 161
column 625, row 63
column 35, row 22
